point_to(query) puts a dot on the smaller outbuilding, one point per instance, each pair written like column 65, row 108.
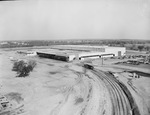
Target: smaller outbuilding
column 56, row 56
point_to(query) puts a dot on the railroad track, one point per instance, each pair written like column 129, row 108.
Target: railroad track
column 121, row 100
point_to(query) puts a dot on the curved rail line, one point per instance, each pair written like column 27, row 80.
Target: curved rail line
column 122, row 100
column 134, row 107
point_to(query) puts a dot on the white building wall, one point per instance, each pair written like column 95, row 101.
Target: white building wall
column 31, row 54
column 108, row 50
column 95, row 57
column 88, row 54
column 115, row 50
column 72, row 57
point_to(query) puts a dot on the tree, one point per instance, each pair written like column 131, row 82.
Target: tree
column 23, row 68
column 147, row 48
column 140, row 47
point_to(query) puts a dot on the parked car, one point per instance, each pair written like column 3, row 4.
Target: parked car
column 146, row 62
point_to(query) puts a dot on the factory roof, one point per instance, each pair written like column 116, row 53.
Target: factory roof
column 77, row 46
column 84, row 46
column 56, row 52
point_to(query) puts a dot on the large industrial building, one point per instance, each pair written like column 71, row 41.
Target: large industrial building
column 81, row 52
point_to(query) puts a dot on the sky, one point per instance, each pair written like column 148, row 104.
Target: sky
column 74, row 19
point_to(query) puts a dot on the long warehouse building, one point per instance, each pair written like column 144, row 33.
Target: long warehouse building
column 81, row 52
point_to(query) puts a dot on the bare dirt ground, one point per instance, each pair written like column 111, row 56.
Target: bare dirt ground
column 61, row 88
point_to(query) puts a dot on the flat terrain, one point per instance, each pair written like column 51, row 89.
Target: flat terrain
column 67, row 88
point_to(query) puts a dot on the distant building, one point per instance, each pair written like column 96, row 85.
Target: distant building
column 27, row 53
column 3, row 43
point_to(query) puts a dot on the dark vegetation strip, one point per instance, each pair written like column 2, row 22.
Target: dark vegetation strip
column 140, row 73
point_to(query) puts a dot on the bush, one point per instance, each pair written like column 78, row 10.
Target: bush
column 140, row 47
column 23, row 68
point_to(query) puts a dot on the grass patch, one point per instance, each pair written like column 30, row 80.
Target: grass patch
column 79, row 100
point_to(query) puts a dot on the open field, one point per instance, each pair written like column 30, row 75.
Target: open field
column 67, row 88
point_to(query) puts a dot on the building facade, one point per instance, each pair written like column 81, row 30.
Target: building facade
column 81, row 52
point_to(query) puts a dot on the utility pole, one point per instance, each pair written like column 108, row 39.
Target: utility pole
column 102, row 60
